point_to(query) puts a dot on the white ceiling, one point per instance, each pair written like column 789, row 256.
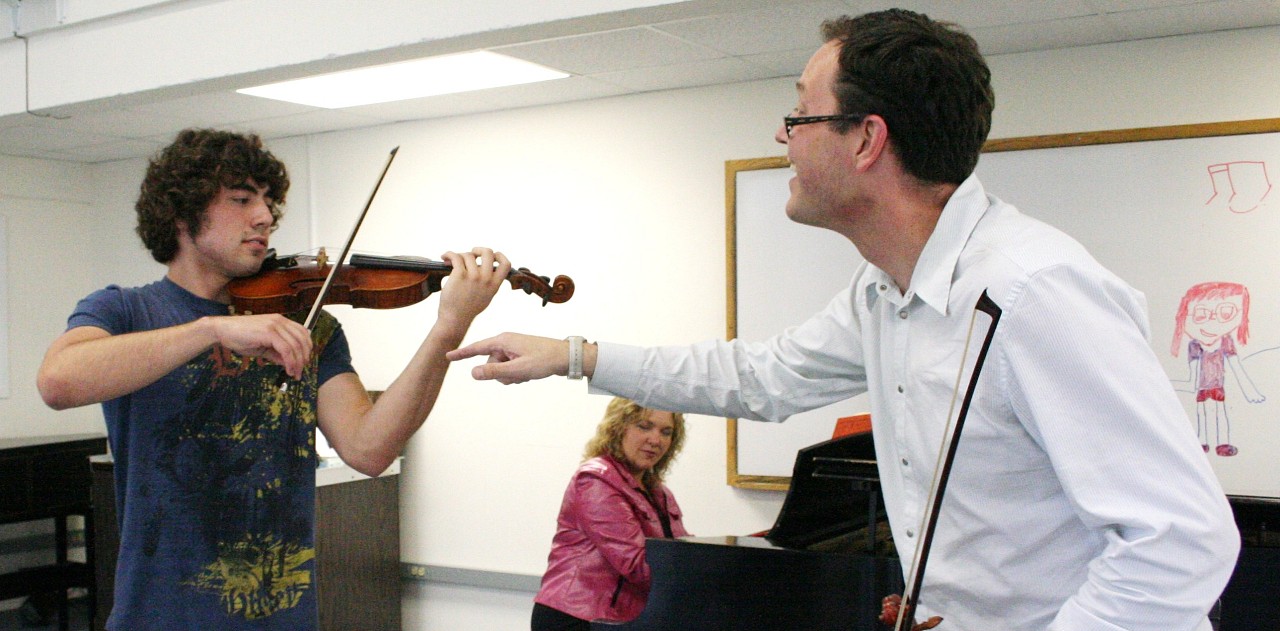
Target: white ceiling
column 725, row 42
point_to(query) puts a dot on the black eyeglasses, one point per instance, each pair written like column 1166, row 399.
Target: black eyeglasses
column 791, row 121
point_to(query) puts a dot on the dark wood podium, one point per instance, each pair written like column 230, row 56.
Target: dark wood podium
column 357, row 546
column 47, row 477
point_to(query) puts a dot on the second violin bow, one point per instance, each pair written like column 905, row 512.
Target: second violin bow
column 946, row 456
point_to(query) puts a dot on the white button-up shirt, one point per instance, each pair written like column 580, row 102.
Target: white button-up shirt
column 1079, row 499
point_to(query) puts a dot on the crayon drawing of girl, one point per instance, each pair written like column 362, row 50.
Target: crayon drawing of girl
column 1208, row 314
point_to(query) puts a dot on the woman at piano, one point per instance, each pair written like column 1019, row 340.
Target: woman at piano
column 616, row 499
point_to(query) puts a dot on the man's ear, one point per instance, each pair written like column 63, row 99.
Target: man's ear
column 868, row 140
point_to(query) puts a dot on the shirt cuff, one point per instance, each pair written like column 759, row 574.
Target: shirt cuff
column 1073, row 617
column 617, row 370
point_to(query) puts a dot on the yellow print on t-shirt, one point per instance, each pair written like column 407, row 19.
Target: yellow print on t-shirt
column 258, row 576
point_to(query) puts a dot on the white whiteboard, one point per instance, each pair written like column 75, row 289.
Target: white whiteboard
column 786, row 272
column 1164, row 208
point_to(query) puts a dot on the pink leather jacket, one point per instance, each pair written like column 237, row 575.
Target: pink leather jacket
column 596, row 569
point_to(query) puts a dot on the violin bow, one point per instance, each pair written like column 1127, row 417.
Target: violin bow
column 941, row 474
column 346, row 249
column 310, row 322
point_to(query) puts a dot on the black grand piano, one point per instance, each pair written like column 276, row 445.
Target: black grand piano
column 825, row 565
column 829, row 560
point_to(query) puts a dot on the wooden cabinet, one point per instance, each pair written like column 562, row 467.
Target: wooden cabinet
column 357, row 547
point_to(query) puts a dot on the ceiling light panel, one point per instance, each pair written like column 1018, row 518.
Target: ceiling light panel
column 447, row 74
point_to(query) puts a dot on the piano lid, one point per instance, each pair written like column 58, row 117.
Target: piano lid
column 835, row 492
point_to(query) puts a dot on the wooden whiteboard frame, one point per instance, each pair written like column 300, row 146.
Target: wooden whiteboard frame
column 733, row 167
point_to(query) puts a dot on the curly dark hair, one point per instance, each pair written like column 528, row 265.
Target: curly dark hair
column 926, row 79
column 185, row 177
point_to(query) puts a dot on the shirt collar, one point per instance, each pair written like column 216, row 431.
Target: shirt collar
column 935, row 269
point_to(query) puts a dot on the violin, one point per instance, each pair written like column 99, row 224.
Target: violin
column 293, row 283
column 891, row 611
column 285, row 285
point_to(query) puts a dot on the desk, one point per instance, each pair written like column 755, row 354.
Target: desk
column 357, row 546
column 47, row 477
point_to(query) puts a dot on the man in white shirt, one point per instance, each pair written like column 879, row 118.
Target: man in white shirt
column 1081, row 499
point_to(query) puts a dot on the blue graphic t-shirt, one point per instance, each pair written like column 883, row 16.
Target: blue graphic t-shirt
column 214, row 476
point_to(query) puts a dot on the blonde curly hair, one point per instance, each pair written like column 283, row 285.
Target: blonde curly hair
column 620, row 414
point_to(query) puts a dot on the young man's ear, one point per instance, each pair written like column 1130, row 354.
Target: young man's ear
column 184, row 230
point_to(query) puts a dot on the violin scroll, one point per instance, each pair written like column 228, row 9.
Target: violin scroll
column 557, row 291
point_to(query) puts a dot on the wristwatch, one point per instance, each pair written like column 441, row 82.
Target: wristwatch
column 575, row 356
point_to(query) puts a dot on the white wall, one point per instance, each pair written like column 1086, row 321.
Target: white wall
column 53, row 238
column 626, row 196
column 48, row 244
column 1175, row 80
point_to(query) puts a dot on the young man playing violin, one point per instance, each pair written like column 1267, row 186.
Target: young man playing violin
column 215, row 462
column 1079, row 498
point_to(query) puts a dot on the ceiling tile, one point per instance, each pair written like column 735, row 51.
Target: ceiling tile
column 313, row 122
column 124, row 122
column 115, row 150
column 1017, row 38
column 557, row 91
column 786, row 63
column 1117, row 6
column 223, row 106
column 710, row 72
column 973, row 15
column 1198, row 17
column 47, row 136
column 610, row 51
column 779, row 28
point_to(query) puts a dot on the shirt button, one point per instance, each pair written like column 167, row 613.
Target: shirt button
column 903, row 314
column 884, row 287
column 905, row 463
column 900, row 389
column 911, row 533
